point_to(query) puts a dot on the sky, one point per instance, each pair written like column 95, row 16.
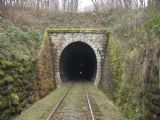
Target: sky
column 83, row 4
column 87, row 4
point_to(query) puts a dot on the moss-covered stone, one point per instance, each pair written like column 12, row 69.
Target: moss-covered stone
column 124, row 78
column 73, row 30
column 16, row 84
column 8, row 79
column 2, row 74
column 14, row 99
column 3, row 104
column 135, row 80
column 7, row 65
column 1, row 82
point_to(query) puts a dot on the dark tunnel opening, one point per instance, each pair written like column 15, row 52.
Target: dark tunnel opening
column 78, row 62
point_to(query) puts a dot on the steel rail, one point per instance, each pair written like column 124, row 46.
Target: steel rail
column 56, row 107
column 89, row 104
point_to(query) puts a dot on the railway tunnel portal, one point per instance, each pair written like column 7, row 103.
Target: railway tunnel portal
column 71, row 55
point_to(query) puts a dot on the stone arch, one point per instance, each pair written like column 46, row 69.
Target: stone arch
column 95, row 49
column 96, row 39
column 78, row 61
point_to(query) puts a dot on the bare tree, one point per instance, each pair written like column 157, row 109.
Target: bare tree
column 95, row 4
column 70, row 5
column 157, row 4
column 64, row 4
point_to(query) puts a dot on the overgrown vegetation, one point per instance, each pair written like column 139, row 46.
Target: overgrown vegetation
column 133, row 50
column 134, row 55
column 18, row 42
column 125, row 79
column 18, row 48
column 16, row 85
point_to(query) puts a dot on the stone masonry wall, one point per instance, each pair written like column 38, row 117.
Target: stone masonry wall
column 96, row 40
column 106, row 82
column 45, row 70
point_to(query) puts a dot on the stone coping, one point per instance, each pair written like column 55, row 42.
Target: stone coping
column 71, row 30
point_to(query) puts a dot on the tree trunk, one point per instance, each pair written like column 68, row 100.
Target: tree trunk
column 157, row 4
column 64, row 5
column 159, row 71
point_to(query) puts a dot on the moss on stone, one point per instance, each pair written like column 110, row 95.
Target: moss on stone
column 52, row 30
column 8, row 79
column 1, row 82
column 123, row 80
column 14, row 99
column 7, row 65
column 135, row 79
column 115, row 54
column 72, row 30
column 42, row 43
column 45, row 37
column 15, row 85
column 3, row 104
column 2, row 74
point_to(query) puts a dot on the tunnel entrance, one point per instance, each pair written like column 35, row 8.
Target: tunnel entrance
column 78, row 62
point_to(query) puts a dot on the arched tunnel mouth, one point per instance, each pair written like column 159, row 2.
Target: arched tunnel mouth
column 78, row 62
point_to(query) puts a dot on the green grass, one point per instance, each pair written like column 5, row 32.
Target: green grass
column 20, row 42
column 41, row 109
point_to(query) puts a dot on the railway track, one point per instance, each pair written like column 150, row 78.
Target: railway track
column 60, row 103
column 56, row 107
column 89, row 104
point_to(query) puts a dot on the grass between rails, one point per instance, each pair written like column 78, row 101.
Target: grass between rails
column 41, row 109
